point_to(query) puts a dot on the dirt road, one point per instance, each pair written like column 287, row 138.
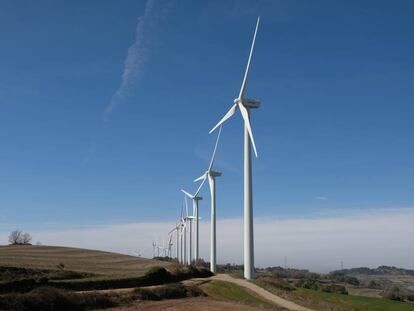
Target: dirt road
column 262, row 292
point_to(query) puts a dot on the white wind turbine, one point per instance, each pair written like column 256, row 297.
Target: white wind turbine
column 184, row 238
column 187, row 245
column 153, row 249
column 244, row 105
column 211, row 175
column 177, row 236
column 170, row 244
column 195, row 199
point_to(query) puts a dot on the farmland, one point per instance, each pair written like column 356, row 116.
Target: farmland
column 74, row 259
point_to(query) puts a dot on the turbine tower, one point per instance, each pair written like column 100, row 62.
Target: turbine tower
column 188, row 219
column 170, row 244
column 244, row 105
column 211, row 176
column 153, row 249
column 176, row 229
column 195, row 199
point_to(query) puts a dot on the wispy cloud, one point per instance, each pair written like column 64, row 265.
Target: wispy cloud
column 367, row 238
column 320, row 198
column 138, row 53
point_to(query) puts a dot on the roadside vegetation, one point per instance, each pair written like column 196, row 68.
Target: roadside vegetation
column 53, row 299
column 221, row 290
column 332, row 291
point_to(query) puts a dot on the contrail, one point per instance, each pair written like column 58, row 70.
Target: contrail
column 137, row 56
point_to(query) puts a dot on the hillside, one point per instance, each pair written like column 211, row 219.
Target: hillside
column 381, row 270
column 75, row 259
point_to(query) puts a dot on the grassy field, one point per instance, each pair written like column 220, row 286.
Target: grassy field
column 221, row 290
column 75, row 259
column 355, row 303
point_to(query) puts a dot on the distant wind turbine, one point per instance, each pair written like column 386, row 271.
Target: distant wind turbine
column 153, row 249
column 177, row 236
column 211, row 175
column 195, row 199
column 244, row 105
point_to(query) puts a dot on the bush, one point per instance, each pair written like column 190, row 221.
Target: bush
column 274, row 283
column 158, row 275
column 19, row 286
column 393, row 293
column 410, row 297
column 194, row 291
column 146, row 294
column 374, row 284
column 332, row 288
column 52, row 299
column 308, row 283
column 352, row 280
column 170, row 291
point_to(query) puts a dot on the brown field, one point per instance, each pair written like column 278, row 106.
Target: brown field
column 364, row 291
column 403, row 281
column 75, row 259
column 189, row 304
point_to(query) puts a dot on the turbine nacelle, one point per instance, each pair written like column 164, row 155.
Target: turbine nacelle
column 193, row 197
column 214, row 173
column 250, row 103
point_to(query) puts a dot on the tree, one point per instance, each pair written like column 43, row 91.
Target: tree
column 17, row 237
column 26, row 238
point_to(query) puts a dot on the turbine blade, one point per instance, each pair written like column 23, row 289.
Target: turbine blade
column 187, row 194
column 215, row 149
column 245, row 115
column 201, row 177
column 246, row 73
column 199, row 188
column 226, row 116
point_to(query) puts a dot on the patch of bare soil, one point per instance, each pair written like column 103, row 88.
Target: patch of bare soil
column 188, row 304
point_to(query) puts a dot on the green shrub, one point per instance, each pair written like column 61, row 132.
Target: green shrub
column 333, row 288
column 308, row 283
column 274, row 283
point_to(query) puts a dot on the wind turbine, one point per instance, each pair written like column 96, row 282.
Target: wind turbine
column 187, row 219
column 170, row 244
column 176, row 229
column 190, row 219
column 244, row 105
column 211, row 175
column 153, row 249
column 195, row 199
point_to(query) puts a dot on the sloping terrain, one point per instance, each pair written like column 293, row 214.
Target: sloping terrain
column 75, row 259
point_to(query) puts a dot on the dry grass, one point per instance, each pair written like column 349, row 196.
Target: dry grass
column 75, row 259
column 189, row 304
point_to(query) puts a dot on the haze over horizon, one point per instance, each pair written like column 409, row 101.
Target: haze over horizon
column 106, row 108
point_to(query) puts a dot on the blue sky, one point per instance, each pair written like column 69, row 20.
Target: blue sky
column 106, row 108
